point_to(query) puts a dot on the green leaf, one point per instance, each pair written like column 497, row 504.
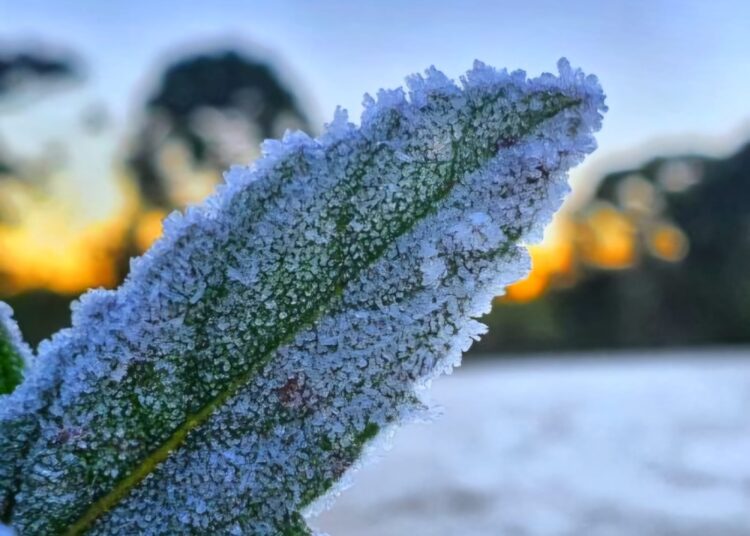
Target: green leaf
column 257, row 349
column 14, row 353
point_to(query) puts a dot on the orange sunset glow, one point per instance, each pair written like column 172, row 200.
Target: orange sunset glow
column 46, row 251
column 602, row 237
column 47, row 247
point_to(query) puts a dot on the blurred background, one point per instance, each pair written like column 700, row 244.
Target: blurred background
column 114, row 114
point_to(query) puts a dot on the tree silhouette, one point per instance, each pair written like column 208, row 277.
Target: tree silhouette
column 196, row 97
column 20, row 69
column 703, row 299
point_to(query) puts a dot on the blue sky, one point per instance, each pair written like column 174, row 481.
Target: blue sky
column 677, row 73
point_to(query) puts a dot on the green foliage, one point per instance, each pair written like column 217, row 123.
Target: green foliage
column 13, row 352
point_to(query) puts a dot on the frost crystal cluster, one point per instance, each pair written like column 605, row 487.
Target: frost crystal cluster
column 276, row 329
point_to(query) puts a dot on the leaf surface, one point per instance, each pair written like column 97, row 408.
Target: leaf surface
column 275, row 330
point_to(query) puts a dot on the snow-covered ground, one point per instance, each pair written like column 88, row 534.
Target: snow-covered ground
column 646, row 445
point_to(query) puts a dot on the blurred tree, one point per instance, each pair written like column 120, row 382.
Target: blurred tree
column 210, row 110
column 19, row 71
column 6, row 169
column 689, row 283
column 26, row 75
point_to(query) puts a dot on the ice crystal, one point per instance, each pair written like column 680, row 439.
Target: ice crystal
column 276, row 329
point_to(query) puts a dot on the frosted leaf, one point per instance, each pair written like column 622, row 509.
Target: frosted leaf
column 275, row 330
column 15, row 354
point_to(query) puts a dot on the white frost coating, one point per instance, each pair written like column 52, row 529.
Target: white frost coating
column 303, row 304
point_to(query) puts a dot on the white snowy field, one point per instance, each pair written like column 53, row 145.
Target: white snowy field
column 647, row 444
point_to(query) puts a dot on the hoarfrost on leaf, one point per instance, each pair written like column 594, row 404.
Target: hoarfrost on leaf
column 274, row 331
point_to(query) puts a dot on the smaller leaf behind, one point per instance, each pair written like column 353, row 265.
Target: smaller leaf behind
column 15, row 354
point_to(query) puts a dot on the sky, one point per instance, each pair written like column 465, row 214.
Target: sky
column 676, row 73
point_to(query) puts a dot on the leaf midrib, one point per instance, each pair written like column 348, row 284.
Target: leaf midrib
column 148, row 464
column 143, row 469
